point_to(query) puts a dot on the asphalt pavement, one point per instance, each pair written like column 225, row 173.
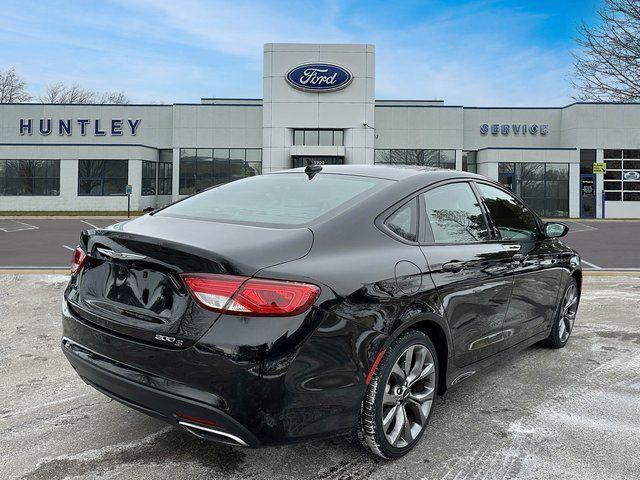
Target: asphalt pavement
column 564, row 414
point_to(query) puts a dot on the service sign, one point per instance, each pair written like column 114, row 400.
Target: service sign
column 319, row 77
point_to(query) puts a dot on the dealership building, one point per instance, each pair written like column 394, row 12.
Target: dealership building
column 318, row 105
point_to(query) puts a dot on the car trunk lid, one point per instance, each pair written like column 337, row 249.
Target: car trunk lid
column 131, row 281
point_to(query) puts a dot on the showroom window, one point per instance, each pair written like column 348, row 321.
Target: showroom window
column 323, row 138
column 543, row 186
column 622, row 179
column 205, row 167
column 421, row 157
column 149, row 171
column 469, row 161
column 102, row 177
column 30, row 177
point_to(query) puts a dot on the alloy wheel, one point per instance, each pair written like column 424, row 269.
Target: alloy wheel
column 568, row 313
column 408, row 396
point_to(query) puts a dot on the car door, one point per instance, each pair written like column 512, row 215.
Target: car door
column 470, row 269
column 536, row 264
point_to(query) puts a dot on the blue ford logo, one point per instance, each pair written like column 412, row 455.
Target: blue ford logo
column 319, row 77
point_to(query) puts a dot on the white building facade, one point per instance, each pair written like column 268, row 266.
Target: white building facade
column 319, row 106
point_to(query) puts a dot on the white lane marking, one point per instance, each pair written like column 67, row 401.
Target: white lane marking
column 90, row 224
column 591, row 265
column 585, row 227
column 69, row 248
column 11, row 229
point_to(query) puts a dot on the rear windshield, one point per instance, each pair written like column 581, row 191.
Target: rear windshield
column 280, row 199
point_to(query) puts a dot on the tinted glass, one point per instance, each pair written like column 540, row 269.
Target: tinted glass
column 102, row 177
column 403, row 222
column 512, row 219
column 29, row 177
column 286, row 199
column 382, row 156
column 148, row 178
column 338, row 138
column 455, row 215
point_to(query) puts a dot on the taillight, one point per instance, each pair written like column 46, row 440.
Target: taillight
column 237, row 295
column 78, row 260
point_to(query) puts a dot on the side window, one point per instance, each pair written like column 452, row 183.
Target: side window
column 513, row 219
column 404, row 221
column 455, row 215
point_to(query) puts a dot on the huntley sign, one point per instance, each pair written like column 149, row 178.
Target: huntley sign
column 68, row 127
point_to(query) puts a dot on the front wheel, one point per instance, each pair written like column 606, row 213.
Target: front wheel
column 566, row 317
column 397, row 404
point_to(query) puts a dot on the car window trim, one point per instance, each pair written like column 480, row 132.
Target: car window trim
column 381, row 221
column 536, row 218
column 428, row 239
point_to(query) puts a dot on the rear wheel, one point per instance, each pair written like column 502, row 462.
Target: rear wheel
column 397, row 404
column 566, row 316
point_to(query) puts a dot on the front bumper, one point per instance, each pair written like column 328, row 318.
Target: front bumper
column 156, row 396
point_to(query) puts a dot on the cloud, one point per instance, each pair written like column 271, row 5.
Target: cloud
column 485, row 52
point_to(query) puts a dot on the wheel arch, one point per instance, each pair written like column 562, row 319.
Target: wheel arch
column 577, row 275
column 437, row 331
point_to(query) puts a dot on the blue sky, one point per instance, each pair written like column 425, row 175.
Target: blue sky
column 475, row 53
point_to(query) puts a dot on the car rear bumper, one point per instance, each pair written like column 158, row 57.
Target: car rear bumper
column 156, row 396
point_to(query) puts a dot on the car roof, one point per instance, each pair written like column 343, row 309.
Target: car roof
column 425, row 175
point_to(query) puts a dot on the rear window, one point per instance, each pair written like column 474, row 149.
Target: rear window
column 280, row 199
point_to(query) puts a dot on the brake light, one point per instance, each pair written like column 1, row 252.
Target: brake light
column 237, row 295
column 78, row 260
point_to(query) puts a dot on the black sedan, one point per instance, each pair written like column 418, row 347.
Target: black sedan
column 316, row 302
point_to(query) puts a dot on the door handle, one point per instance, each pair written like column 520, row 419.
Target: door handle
column 453, row 266
column 512, row 247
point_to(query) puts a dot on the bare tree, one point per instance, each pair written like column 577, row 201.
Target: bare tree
column 13, row 89
column 74, row 94
column 117, row 98
column 607, row 66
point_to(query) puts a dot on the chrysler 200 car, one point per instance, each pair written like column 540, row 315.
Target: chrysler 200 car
column 316, row 302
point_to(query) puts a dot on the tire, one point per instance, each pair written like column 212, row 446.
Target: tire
column 408, row 397
column 565, row 316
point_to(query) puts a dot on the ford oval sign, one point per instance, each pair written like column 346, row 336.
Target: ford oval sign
column 319, row 77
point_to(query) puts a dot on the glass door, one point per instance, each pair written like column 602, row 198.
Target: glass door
column 587, row 195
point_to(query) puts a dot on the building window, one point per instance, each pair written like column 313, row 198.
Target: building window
column 428, row 158
column 165, row 172
column 30, row 177
column 102, row 177
column 469, row 161
column 587, row 159
column 205, row 167
column 149, row 172
column 323, row 138
column 622, row 179
column 543, row 186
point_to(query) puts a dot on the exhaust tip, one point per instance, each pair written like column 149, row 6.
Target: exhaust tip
column 212, row 433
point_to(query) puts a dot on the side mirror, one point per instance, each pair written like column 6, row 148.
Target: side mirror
column 555, row 229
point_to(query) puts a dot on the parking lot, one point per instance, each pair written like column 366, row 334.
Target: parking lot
column 543, row 414
column 46, row 244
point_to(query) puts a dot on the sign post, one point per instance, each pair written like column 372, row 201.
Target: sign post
column 128, row 191
column 600, row 168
